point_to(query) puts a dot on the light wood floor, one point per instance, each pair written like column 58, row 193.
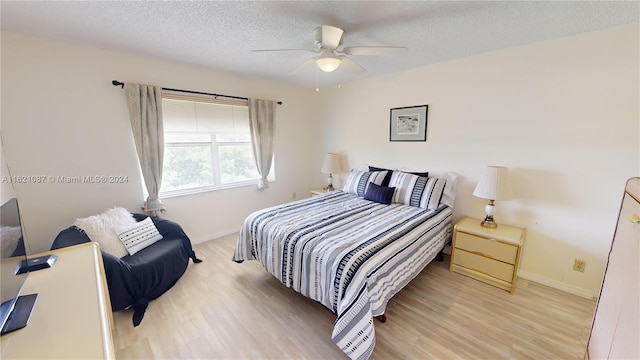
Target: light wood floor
column 223, row 310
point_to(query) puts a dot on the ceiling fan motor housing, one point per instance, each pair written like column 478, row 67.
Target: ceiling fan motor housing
column 317, row 35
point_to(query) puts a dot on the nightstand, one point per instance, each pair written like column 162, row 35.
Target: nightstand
column 489, row 255
column 318, row 192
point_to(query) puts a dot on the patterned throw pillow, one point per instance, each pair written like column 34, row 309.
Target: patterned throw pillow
column 379, row 194
column 418, row 191
column 358, row 181
column 138, row 237
column 385, row 182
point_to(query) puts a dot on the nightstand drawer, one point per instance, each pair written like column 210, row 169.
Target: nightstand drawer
column 487, row 247
column 484, row 265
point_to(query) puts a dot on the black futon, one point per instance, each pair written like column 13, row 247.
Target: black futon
column 134, row 280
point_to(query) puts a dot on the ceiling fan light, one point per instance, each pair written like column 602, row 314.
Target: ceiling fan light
column 328, row 64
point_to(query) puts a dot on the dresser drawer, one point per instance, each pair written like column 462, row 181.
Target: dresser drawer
column 487, row 247
column 484, row 265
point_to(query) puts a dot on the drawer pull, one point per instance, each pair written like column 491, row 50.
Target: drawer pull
column 635, row 219
column 482, row 254
column 482, row 272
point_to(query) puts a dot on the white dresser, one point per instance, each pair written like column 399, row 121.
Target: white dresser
column 615, row 333
column 72, row 317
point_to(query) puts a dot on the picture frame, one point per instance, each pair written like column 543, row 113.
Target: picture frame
column 408, row 123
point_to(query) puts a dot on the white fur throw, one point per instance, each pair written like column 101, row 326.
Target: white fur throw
column 9, row 236
column 104, row 229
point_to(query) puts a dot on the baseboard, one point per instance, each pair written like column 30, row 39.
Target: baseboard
column 589, row 294
column 219, row 234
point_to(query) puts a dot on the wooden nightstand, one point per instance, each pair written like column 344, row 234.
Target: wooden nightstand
column 318, row 192
column 489, row 255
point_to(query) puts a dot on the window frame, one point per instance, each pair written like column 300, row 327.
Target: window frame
column 214, row 146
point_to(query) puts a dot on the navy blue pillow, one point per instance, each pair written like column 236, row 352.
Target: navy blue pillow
column 385, row 182
column 423, row 174
column 379, row 194
column 375, row 168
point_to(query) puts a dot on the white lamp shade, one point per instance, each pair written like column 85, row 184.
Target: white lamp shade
column 494, row 184
column 331, row 164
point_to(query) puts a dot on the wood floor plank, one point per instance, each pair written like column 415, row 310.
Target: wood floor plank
column 223, row 310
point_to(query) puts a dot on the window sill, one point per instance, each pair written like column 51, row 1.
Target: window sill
column 205, row 189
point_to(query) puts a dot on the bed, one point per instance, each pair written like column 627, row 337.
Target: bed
column 350, row 250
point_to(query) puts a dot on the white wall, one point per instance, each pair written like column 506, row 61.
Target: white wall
column 562, row 114
column 62, row 117
column 6, row 189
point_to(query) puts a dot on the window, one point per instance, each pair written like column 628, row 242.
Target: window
column 207, row 145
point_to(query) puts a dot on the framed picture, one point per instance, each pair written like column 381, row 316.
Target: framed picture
column 408, row 123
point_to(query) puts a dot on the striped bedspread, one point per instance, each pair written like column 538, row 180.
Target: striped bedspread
column 350, row 254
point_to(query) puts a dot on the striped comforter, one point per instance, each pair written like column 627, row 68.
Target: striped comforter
column 350, row 254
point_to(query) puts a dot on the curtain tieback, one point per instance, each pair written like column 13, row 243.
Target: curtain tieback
column 153, row 204
column 263, row 183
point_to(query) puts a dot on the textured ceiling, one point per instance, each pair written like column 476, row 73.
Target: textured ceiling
column 221, row 35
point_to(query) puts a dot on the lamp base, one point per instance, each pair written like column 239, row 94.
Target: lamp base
column 488, row 222
column 330, row 186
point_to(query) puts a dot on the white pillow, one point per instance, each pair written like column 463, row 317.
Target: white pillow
column 140, row 236
column 104, row 229
column 9, row 237
column 449, row 195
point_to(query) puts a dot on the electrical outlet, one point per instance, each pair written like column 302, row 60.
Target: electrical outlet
column 579, row 265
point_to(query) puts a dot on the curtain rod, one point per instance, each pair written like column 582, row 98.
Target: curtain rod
column 118, row 83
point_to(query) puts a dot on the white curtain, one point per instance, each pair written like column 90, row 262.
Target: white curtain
column 262, row 127
column 145, row 112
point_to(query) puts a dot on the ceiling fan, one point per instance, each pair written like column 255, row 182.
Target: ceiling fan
column 328, row 39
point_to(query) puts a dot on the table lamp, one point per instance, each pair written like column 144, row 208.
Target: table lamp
column 331, row 166
column 494, row 185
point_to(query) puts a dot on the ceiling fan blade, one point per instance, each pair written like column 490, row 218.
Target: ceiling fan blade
column 331, row 36
column 302, row 66
column 375, row 50
column 286, row 50
column 352, row 65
